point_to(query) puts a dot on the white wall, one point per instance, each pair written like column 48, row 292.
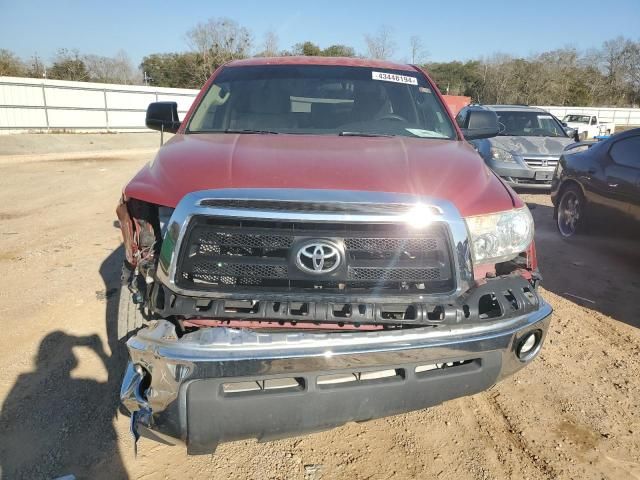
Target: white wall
column 617, row 116
column 28, row 104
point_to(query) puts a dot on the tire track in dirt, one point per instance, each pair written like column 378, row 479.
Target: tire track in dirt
column 508, row 431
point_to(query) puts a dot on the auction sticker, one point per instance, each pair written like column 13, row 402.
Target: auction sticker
column 394, row 77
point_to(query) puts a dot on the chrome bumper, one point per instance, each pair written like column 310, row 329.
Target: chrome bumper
column 194, row 389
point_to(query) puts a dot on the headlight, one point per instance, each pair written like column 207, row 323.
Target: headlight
column 502, row 155
column 500, row 236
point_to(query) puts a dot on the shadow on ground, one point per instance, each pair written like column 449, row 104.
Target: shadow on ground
column 599, row 270
column 53, row 424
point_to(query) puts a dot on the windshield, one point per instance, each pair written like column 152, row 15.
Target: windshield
column 321, row 100
column 529, row 124
column 577, row 118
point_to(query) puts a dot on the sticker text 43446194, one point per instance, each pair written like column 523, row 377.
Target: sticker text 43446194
column 394, row 77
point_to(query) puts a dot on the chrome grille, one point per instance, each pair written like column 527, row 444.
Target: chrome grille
column 313, row 207
column 541, row 162
column 219, row 253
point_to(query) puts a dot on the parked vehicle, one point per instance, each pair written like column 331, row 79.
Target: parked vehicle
column 526, row 151
column 570, row 131
column 588, row 126
column 319, row 244
column 598, row 181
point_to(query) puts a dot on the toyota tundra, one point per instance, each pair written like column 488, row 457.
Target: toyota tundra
column 318, row 244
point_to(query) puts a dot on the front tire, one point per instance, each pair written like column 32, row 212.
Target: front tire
column 130, row 318
column 571, row 212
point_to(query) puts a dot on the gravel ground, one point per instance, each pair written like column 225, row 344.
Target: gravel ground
column 573, row 414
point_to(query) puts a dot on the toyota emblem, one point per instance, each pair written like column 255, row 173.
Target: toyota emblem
column 318, row 257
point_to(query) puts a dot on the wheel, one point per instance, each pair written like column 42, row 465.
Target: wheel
column 130, row 317
column 584, row 135
column 571, row 212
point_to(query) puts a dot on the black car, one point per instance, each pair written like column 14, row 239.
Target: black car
column 598, row 181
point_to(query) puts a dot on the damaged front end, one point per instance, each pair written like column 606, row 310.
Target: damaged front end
column 274, row 313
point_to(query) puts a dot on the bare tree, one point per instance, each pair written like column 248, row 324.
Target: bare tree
column 36, row 67
column 123, row 68
column 270, row 48
column 10, row 65
column 499, row 78
column 605, row 76
column 68, row 65
column 633, row 76
column 616, row 63
column 217, row 41
column 418, row 53
column 381, row 45
column 117, row 69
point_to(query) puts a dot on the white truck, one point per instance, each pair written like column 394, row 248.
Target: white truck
column 587, row 126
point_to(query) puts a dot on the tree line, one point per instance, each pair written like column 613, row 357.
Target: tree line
column 605, row 76
column 71, row 65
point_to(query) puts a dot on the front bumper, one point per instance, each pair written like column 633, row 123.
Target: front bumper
column 522, row 176
column 223, row 384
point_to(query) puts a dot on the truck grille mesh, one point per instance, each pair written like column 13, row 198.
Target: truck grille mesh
column 219, row 253
column 207, row 271
column 391, row 244
column 394, row 274
column 215, row 240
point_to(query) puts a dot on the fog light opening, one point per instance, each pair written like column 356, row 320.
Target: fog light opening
column 528, row 345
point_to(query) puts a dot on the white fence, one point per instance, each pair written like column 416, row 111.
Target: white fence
column 617, row 116
column 28, row 104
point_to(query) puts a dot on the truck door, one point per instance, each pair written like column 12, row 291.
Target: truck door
column 623, row 176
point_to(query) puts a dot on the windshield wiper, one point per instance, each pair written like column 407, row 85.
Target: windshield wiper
column 363, row 134
column 249, row 130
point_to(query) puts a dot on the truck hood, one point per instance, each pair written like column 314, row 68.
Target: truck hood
column 445, row 169
column 532, row 145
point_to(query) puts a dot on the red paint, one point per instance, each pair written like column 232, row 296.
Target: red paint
column 335, row 61
column 483, row 270
column 446, row 169
column 532, row 257
column 128, row 234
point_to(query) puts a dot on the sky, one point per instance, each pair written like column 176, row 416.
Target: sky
column 449, row 30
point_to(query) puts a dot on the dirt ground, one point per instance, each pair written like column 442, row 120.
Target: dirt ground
column 573, row 414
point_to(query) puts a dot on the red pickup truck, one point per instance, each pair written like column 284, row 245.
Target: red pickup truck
column 318, row 244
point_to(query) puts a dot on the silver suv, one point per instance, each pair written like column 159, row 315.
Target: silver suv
column 526, row 151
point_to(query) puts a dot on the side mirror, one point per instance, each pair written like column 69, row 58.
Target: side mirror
column 564, row 124
column 163, row 116
column 480, row 124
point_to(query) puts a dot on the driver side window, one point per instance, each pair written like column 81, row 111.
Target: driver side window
column 626, row 152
